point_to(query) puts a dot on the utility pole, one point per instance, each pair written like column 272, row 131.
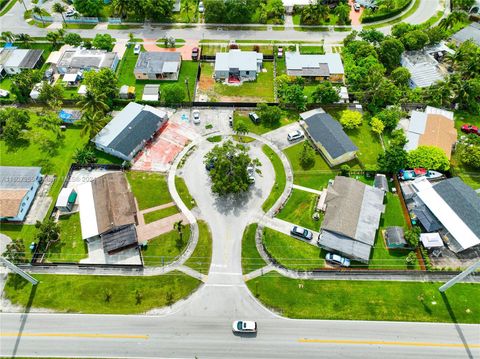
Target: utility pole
column 459, row 277
column 18, row 270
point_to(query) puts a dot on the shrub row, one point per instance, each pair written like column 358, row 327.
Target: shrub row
column 378, row 17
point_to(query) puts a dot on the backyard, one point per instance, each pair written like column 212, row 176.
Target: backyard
column 166, row 248
column 251, row 259
column 153, row 216
column 261, row 128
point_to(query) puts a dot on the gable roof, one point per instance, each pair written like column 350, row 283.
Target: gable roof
column 327, row 131
column 158, row 62
column 423, row 68
column 314, row 65
column 471, row 32
column 237, row 59
column 130, row 127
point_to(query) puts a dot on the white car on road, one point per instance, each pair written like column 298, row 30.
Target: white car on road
column 295, row 135
column 244, row 326
column 196, row 117
column 136, row 49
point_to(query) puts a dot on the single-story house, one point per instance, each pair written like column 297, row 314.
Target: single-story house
column 470, row 32
column 432, row 127
column 151, row 92
column 66, row 200
column 158, row 66
column 328, row 137
column 237, row 65
column 72, row 60
column 18, row 186
column 320, row 67
column 129, row 130
column 107, row 209
column 13, row 60
column 450, row 207
column 352, row 217
column 395, row 237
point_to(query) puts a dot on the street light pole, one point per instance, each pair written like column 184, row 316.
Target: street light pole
column 459, row 277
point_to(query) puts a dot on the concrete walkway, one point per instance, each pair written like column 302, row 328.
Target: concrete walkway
column 306, row 189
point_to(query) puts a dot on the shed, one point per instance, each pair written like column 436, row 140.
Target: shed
column 127, row 92
column 395, row 237
column 151, row 92
column 82, row 90
column 66, row 200
column 70, row 77
column 381, row 182
column 431, row 240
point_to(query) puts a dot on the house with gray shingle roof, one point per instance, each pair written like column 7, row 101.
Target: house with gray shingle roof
column 320, row 67
column 128, row 132
column 352, row 217
column 471, row 32
column 158, row 66
column 328, row 136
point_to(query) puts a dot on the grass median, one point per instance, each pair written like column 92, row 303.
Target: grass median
column 251, row 259
column 202, row 255
column 280, row 178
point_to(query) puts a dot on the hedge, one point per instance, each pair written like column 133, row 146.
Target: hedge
column 378, row 17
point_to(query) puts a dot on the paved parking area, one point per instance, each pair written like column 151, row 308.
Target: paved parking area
column 279, row 136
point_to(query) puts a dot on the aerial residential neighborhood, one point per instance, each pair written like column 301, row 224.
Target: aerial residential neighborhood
column 230, row 179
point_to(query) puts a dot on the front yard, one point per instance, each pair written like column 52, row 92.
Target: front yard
column 299, row 209
column 164, row 249
column 261, row 128
column 149, row 188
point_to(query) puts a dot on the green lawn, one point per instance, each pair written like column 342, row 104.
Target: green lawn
column 251, row 259
column 188, row 70
column 163, row 250
column 149, row 188
column 292, row 253
column 183, row 192
column 71, row 247
column 305, row 49
column 202, row 255
column 280, row 178
column 363, row 300
column 299, row 209
column 261, row 128
column 160, row 213
column 89, row 294
column 24, row 232
column 368, row 143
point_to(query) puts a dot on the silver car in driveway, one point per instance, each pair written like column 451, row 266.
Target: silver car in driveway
column 295, row 135
column 336, row 259
column 301, row 232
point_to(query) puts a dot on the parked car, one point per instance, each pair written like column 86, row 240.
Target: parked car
column 136, row 49
column 195, row 53
column 244, row 326
column 4, row 93
column 303, row 233
column 280, row 52
column 230, row 121
column 251, row 173
column 295, row 135
column 71, row 12
column 201, row 8
column 338, row 260
column 356, row 7
column 254, row 117
column 467, row 128
column 196, row 117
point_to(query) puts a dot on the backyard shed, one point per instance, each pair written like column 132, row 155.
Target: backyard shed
column 431, row 240
column 66, row 200
column 395, row 237
column 151, row 92
column 127, row 92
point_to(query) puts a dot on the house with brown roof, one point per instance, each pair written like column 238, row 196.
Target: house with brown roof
column 18, row 186
column 108, row 211
column 433, row 127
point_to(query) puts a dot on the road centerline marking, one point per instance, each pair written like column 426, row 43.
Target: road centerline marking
column 387, row 343
column 76, row 335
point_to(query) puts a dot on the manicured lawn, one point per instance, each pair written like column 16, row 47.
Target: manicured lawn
column 292, row 253
column 89, row 294
column 299, row 209
column 149, row 188
column 79, row 26
column 305, row 49
column 214, row 139
column 71, row 247
column 160, row 213
column 368, row 143
column 280, row 178
column 202, row 255
column 183, row 192
column 251, row 259
column 24, row 232
column 363, row 300
column 163, row 249
column 261, row 128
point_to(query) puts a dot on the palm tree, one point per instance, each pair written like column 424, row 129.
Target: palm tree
column 8, row 36
column 121, row 7
column 24, row 38
column 179, row 227
column 343, row 13
column 59, row 9
column 23, row 3
column 452, row 19
column 91, row 124
column 38, row 11
column 187, row 6
column 53, row 37
column 93, row 103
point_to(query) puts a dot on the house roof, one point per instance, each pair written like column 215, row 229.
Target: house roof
column 345, row 245
column 395, row 236
column 158, row 62
column 64, row 197
column 31, row 59
column 471, row 32
column 237, row 59
column 130, row 127
column 10, row 200
column 423, row 68
column 325, row 130
column 78, row 58
column 314, row 65
column 434, row 127
column 119, row 239
column 431, row 240
column 353, row 210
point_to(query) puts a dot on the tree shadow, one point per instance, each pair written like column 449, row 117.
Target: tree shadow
column 23, row 319
column 457, row 326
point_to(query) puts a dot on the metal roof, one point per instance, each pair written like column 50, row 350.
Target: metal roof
column 122, row 238
column 423, row 68
column 327, row 131
column 16, row 57
column 471, row 32
column 395, row 236
column 31, row 59
column 78, row 58
column 381, row 182
column 345, row 246
column 237, row 59
column 13, row 177
column 297, row 61
column 158, row 62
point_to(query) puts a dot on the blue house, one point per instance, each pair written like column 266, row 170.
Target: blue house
column 18, row 186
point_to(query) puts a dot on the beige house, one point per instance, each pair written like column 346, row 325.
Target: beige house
column 158, row 66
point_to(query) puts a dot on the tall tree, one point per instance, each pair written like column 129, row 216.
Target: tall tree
column 37, row 10
column 93, row 102
column 92, row 124
column 58, row 8
column 121, row 7
column 24, row 38
column 325, row 93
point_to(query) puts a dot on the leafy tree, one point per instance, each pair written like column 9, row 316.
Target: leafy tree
column 470, row 156
column 325, row 93
column 412, row 236
column 386, row 93
column 398, row 138
column 103, row 41
column 350, row 37
column 415, row 40
column 88, row 7
column 173, row 94
column 307, row 156
column 7, row 36
column 47, row 234
column 343, row 12
column 435, row 35
column 104, row 82
column 121, row 7
column 390, row 52
column 84, row 156
column 294, row 96
column 377, row 125
column 400, row 29
column 179, row 226
column 215, row 10
column 400, row 76
column 54, row 37
column 393, row 160
column 372, row 35
column 344, row 170
column 51, row 95
column 23, row 83
column 15, row 252
column 390, row 117
column 270, row 115
column 24, row 38
column 463, row 4
column 37, row 10
column 73, row 39
column 230, row 172
column 351, row 120
column 452, row 19
column 58, row 8
column 410, row 259
column 93, row 102
column 241, row 127
column 158, row 9
column 429, row 157
column 14, row 124
column 92, row 123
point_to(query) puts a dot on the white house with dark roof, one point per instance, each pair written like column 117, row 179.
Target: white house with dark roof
column 128, row 132
column 158, row 66
column 237, row 65
column 321, row 67
column 13, row 60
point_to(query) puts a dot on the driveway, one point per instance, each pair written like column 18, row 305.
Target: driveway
column 279, row 136
column 355, row 15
